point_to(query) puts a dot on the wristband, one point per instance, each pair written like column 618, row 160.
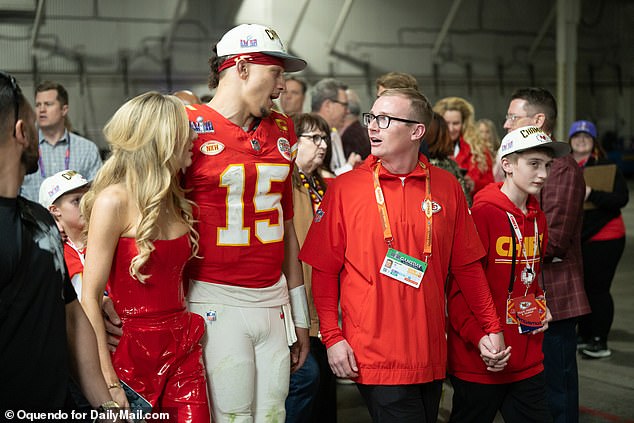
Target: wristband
column 299, row 307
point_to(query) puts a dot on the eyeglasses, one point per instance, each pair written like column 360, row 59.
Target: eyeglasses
column 512, row 117
column 343, row 103
column 16, row 96
column 316, row 139
column 383, row 121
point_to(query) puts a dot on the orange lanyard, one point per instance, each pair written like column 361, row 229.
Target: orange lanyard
column 385, row 219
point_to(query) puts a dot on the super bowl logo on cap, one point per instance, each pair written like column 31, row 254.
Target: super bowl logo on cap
column 284, row 147
column 249, row 42
column 212, row 148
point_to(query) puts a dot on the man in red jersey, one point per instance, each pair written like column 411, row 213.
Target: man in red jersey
column 247, row 281
column 240, row 178
column 383, row 242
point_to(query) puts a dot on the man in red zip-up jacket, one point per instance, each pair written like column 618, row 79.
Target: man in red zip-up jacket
column 383, row 242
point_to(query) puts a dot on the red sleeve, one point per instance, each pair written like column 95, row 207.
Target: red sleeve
column 327, row 229
column 461, row 317
column 325, row 287
column 472, row 312
column 472, row 283
column 466, row 247
column 73, row 263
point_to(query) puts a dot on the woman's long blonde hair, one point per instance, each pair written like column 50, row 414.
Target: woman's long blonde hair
column 469, row 130
column 148, row 136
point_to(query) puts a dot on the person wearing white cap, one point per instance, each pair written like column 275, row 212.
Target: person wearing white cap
column 602, row 239
column 561, row 199
column 507, row 214
column 248, row 273
column 61, row 194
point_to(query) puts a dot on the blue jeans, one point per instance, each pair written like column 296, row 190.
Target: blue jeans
column 560, row 368
column 302, row 391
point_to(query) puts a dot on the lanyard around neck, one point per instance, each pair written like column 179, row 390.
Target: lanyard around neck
column 520, row 241
column 385, row 219
column 66, row 158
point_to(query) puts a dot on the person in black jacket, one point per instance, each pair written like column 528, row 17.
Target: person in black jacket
column 603, row 240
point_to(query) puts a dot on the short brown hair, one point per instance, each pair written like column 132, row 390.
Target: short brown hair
column 420, row 107
column 396, row 80
column 62, row 94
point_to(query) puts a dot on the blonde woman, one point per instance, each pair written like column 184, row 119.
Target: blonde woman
column 489, row 135
column 469, row 153
column 140, row 236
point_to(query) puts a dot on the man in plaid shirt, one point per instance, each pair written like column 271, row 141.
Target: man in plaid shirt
column 562, row 201
column 60, row 149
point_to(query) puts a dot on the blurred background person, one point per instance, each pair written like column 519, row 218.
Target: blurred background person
column 489, row 135
column 469, row 152
column 292, row 98
column 602, row 241
column 354, row 136
column 440, row 151
column 329, row 100
column 60, row 148
column 395, row 80
column 187, row 97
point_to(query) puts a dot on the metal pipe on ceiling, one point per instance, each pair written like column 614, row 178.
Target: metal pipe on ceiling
column 37, row 24
column 542, row 31
column 341, row 20
column 298, row 21
column 445, row 27
column 167, row 45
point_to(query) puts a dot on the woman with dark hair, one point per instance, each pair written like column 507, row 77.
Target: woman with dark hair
column 312, row 392
column 602, row 241
column 441, row 149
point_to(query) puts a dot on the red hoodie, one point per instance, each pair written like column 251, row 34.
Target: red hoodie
column 489, row 211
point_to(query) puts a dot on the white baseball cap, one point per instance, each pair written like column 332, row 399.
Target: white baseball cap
column 254, row 38
column 528, row 137
column 59, row 184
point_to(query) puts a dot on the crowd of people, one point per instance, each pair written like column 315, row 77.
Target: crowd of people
column 231, row 259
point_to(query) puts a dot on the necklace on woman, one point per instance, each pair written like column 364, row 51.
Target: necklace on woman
column 315, row 191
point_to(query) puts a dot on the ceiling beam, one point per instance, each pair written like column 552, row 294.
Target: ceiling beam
column 445, row 28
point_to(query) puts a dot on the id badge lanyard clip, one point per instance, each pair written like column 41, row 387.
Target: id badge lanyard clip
column 528, row 274
column 385, row 219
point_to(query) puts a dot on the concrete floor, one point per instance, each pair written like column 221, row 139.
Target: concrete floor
column 606, row 385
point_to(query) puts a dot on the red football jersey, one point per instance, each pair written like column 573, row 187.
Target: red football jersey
column 74, row 262
column 241, row 182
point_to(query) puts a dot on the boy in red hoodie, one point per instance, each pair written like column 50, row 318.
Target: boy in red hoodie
column 512, row 229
